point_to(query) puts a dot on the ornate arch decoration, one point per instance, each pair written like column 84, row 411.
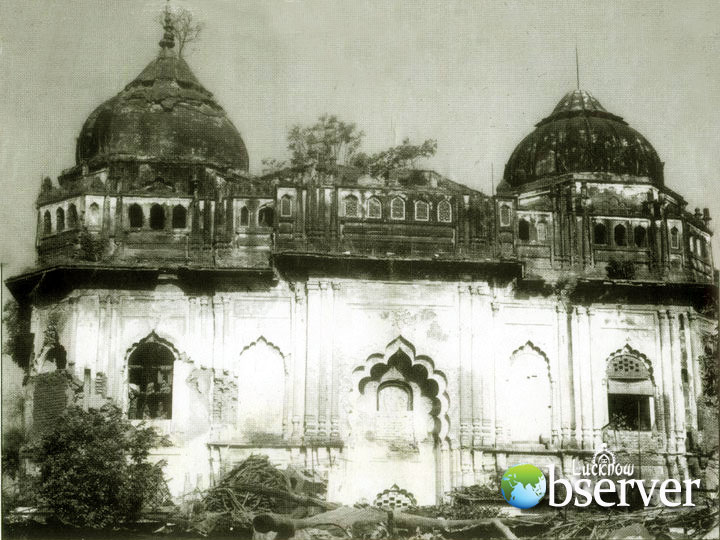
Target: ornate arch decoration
column 153, row 337
column 530, row 347
column 629, row 363
column 414, row 367
column 262, row 341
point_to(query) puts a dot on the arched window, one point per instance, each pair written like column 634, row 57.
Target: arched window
column 542, row 231
column 351, row 206
column 93, row 215
column 703, row 248
column 620, row 234
column 244, row 217
column 374, row 208
column 397, row 208
column 286, row 206
column 524, row 230
column 640, row 236
column 630, row 391
column 266, row 217
column 505, row 215
column 72, row 217
column 444, row 211
column 693, row 244
column 47, row 223
column 151, row 381
column 179, row 217
column 135, row 215
column 674, row 238
column 59, row 220
column 600, row 234
column 157, row 217
column 422, row 211
column 394, row 396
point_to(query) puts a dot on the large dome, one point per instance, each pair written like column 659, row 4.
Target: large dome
column 165, row 114
column 581, row 136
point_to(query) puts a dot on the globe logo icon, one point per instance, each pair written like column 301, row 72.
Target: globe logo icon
column 523, row 486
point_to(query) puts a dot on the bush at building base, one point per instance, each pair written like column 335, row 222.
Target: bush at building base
column 94, row 469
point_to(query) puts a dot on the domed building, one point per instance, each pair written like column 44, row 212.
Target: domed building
column 402, row 336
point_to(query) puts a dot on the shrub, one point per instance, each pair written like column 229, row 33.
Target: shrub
column 618, row 269
column 94, row 470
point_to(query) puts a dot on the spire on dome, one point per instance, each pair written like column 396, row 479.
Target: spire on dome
column 168, row 40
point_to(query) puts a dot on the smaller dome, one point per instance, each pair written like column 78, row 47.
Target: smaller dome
column 580, row 135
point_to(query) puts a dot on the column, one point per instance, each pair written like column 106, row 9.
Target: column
column 678, row 395
column 480, row 361
column 225, row 339
column 335, row 388
column 299, row 328
column 578, row 398
column 101, row 362
column 597, row 393
column 581, row 378
column 465, row 465
column 217, row 332
column 667, row 386
column 464, row 373
column 324, row 369
column 312, row 363
column 691, row 368
column 695, row 350
column 495, row 407
column 563, row 375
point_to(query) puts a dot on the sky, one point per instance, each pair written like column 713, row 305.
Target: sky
column 474, row 75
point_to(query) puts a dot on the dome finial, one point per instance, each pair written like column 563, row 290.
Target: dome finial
column 577, row 67
column 168, row 40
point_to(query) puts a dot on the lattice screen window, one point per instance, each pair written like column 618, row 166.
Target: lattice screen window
column 422, row 211
column 444, row 212
column 374, row 208
column 627, row 367
column 351, row 206
column 397, row 208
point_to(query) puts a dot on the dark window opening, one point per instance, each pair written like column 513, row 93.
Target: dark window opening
column 286, row 206
column 244, row 216
column 72, row 218
column 505, row 215
column 47, row 223
column 629, row 412
column 157, row 217
column 620, row 235
column 397, row 208
column 150, row 380
column 674, row 238
column 135, row 214
column 524, row 230
column 179, row 217
column 703, row 247
column 600, row 234
column 266, row 217
column 640, row 236
column 60, row 220
column 58, row 356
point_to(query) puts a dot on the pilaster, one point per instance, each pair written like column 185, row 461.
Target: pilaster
column 666, row 357
column 299, row 328
column 464, row 373
column 678, row 395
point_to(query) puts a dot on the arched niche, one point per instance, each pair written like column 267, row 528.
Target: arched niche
column 261, row 375
column 400, row 371
column 527, row 396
